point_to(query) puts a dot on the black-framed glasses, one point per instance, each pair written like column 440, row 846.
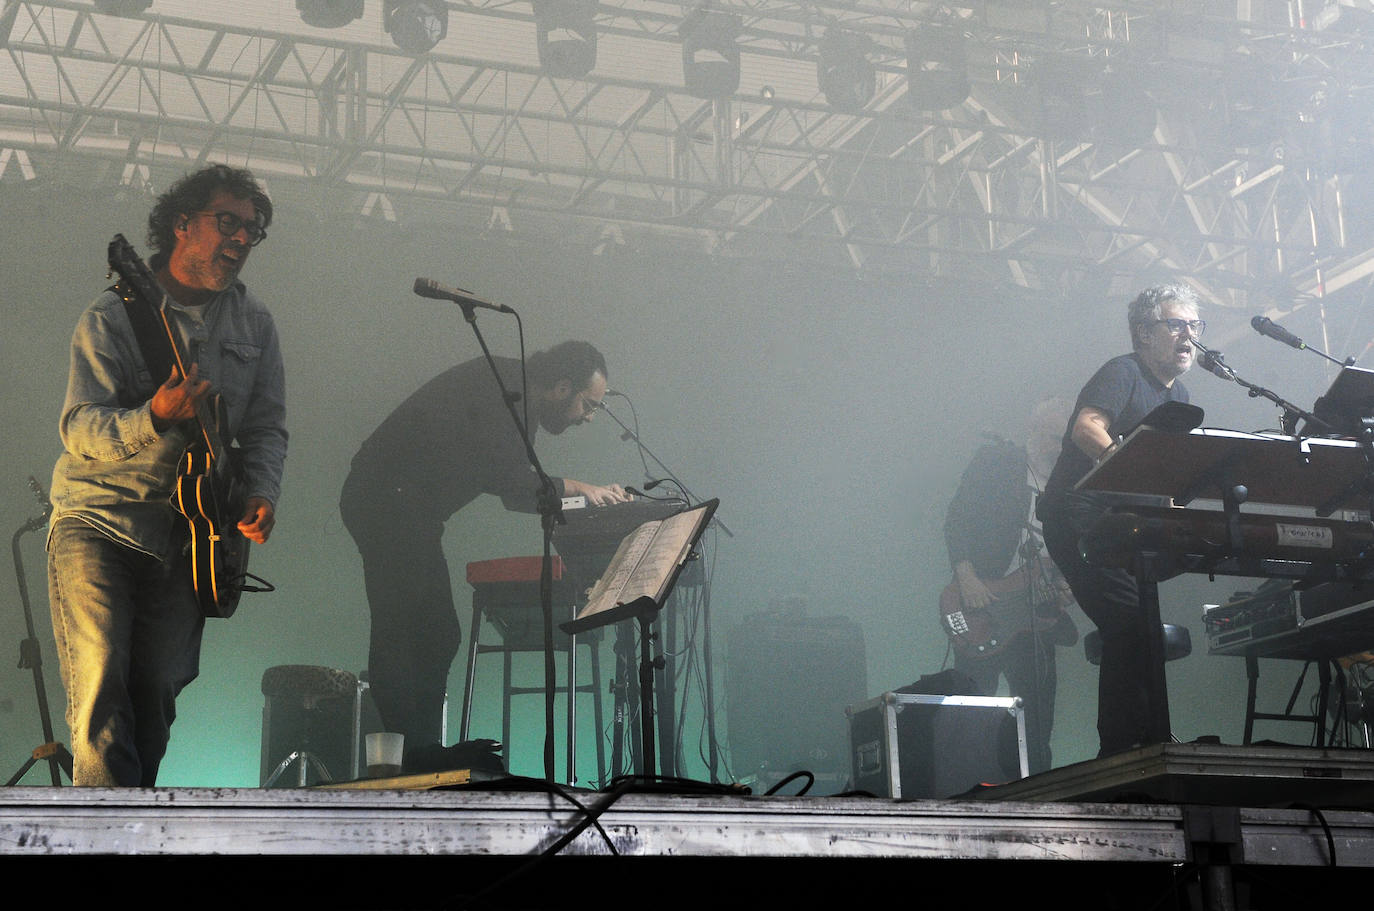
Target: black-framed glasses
column 229, row 225
column 1176, row 326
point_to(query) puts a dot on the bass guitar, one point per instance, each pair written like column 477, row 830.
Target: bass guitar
column 209, row 487
column 1029, row 599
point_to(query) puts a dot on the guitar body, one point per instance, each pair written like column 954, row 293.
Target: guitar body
column 1025, row 602
column 218, row 553
column 209, row 489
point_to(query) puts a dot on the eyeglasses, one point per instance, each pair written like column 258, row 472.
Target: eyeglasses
column 586, row 407
column 229, row 225
column 1176, row 326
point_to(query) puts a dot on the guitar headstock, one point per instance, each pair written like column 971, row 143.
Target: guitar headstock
column 125, row 262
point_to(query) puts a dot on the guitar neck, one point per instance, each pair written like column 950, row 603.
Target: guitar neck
column 205, row 421
column 139, row 279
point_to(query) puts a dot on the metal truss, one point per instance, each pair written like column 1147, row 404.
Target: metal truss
column 1097, row 142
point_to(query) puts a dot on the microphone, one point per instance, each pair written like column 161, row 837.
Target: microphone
column 428, row 287
column 1265, row 326
column 1211, row 362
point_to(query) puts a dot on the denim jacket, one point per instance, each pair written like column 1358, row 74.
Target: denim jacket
column 117, row 472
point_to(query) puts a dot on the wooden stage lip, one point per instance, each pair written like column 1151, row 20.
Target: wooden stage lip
column 505, row 823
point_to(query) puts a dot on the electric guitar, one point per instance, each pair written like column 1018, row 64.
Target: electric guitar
column 1026, row 600
column 209, row 487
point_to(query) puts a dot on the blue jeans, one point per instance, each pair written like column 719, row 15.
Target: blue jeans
column 128, row 630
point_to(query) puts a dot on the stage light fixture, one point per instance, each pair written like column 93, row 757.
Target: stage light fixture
column 710, row 56
column 565, row 31
column 122, row 7
column 415, row 26
column 329, row 13
column 846, row 76
column 936, row 68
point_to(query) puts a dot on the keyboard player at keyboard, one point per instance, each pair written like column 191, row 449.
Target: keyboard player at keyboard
column 1162, row 321
column 448, row 443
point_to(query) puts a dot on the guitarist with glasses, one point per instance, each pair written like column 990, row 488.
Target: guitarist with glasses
column 169, row 366
column 1004, row 611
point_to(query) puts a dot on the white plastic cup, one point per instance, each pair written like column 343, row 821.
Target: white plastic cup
column 384, row 751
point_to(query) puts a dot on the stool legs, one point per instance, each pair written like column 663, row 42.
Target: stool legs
column 508, row 690
column 471, row 674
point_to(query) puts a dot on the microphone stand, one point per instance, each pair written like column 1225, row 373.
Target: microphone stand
column 629, row 434
column 550, row 508
column 55, row 753
column 1291, row 412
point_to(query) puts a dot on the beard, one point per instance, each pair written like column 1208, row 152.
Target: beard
column 216, row 272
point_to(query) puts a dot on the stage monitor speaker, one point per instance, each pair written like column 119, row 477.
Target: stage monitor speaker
column 789, row 679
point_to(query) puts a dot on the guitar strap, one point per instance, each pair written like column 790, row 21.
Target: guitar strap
column 152, row 337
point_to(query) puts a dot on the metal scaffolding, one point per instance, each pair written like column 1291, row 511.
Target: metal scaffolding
column 1223, row 144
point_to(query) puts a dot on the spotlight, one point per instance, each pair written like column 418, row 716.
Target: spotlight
column 122, row 7
column 936, row 68
column 566, row 34
column 710, row 57
column 415, row 26
column 329, row 13
column 846, row 76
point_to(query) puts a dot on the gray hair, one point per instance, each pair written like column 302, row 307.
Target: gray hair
column 1148, row 305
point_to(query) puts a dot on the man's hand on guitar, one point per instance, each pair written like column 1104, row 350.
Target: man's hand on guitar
column 258, row 519
column 176, row 399
column 972, row 590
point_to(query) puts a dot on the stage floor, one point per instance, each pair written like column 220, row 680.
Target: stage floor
column 1160, row 827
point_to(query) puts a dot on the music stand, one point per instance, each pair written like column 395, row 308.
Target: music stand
column 1347, row 406
column 1323, row 475
column 636, row 586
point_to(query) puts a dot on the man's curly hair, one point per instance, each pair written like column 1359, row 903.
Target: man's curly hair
column 192, row 193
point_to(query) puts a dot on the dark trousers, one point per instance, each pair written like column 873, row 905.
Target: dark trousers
column 415, row 632
column 1111, row 600
column 1028, row 665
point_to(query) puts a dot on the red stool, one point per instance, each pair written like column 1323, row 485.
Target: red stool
column 505, row 592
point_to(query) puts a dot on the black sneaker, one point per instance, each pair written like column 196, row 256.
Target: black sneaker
column 470, row 754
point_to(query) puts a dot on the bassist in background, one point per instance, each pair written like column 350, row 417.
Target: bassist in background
column 1004, row 609
column 126, row 618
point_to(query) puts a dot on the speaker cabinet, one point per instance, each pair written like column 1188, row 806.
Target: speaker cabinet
column 789, row 679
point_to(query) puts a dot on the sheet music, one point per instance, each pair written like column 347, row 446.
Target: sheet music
column 644, row 563
column 623, row 565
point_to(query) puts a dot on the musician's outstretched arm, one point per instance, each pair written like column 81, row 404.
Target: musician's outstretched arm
column 596, row 494
column 1092, row 432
